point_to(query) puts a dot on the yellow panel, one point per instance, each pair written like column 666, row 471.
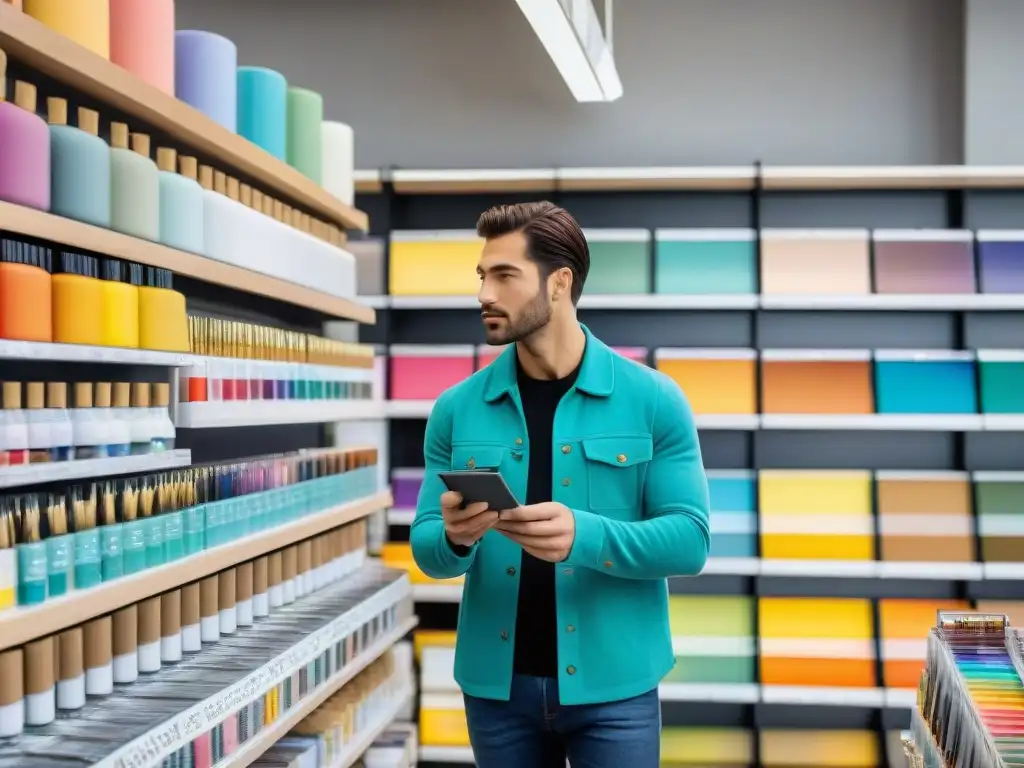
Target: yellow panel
column 797, row 617
column 711, row 615
column 443, row 728
column 797, row 492
column 817, row 547
column 817, row 749
column 706, row 746
column 441, row 268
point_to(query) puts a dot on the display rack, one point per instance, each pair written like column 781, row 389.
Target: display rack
column 217, row 591
column 816, row 532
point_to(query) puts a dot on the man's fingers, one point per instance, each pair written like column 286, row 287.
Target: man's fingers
column 528, row 514
column 475, row 525
column 531, row 528
column 468, row 513
column 539, row 543
column 451, row 500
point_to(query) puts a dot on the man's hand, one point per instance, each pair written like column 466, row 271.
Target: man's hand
column 547, row 531
column 465, row 527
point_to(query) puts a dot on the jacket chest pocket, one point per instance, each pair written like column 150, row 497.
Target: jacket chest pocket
column 615, row 470
column 477, row 456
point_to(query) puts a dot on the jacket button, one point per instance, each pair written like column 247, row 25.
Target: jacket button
column 511, row 571
column 570, row 628
column 566, row 449
column 504, row 635
column 519, row 441
column 567, row 571
column 471, row 463
column 571, row 669
column 621, row 458
column 607, row 563
column 567, row 481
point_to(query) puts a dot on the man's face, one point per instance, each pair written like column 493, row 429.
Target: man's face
column 514, row 301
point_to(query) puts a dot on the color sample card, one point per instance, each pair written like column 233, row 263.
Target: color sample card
column 824, row 262
column 999, row 500
column 825, row 382
column 924, row 261
column 423, row 372
column 1002, row 381
column 705, row 747
column 715, row 381
column 434, row 263
column 817, row 749
column 620, row 261
column 398, row 554
column 705, row 261
column 925, row 517
column 370, row 265
column 919, row 383
column 443, row 720
column 903, row 627
column 1000, row 261
column 816, row 515
column 817, row 642
column 733, row 513
column 719, row 648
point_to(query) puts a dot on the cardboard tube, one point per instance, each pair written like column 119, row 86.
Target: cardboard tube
column 40, row 681
column 12, row 693
column 126, row 645
column 71, row 668
column 275, row 593
column 303, row 576
column 170, row 626
column 149, row 635
column 226, row 606
column 209, row 619
column 289, row 568
column 191, row 617
column 243, row 594
column 260, row 587
column 99, row 656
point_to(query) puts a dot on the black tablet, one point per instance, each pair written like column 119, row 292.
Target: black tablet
column 480, row 485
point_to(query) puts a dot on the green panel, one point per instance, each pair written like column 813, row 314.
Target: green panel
column 1002, row 387
column 702, row 267
column 618, row 267
column 711, row 616
column 712, row 669
column 999, row 498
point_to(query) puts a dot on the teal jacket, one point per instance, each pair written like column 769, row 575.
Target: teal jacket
column 628, row 464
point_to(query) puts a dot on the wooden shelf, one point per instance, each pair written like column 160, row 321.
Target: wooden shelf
column 23, row 624
column 45, row 226
column 40, row 48
column 699, row 179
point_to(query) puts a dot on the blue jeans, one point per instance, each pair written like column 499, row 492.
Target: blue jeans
column 532, row 730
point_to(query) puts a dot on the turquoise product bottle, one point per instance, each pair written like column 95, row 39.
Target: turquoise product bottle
column 134, row 185
column 79, row 166
column 181, row 202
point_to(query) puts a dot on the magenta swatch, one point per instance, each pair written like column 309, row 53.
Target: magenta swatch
column 24, row 157
column 923, row 267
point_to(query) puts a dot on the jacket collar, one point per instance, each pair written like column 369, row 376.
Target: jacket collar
column 596, row 377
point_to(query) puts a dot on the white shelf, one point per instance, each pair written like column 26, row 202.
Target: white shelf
column 728, row 421
column 447, row 755
column 409, row 409
column 175, row 733
column 878, row 302
column 251, row 413
column 823, row 696
column 951, row 422
column 368, row 735
column 820, row 568
column 401, row 516
column 31, row 474
column 732, row 693
column 1004, row 571
column 901, row 698
column 732, row 566
column 437, row 593
column 82, row 353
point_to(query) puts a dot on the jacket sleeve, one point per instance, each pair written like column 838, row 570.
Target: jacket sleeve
column 674, row 536
column 430, row 547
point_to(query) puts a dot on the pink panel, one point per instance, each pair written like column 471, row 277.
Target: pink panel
column 424, row 378
column 639, row 354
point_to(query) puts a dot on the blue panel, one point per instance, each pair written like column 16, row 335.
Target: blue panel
column 701, row 267
column 733, row 545
column 732, row 494
column 932, row 386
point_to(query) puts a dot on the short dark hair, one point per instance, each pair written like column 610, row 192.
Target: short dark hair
column 554, row 238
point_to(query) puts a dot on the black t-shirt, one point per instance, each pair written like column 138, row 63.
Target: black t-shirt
column 536, row 649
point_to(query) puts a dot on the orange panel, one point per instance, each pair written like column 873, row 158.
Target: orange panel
column 846, row 673
column 912, row 619
column 832, row 386
column 925, row 497
column 714, row 386
column 1012, row 608
column 902, row 674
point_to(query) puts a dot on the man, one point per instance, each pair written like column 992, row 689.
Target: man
column 563, row 633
